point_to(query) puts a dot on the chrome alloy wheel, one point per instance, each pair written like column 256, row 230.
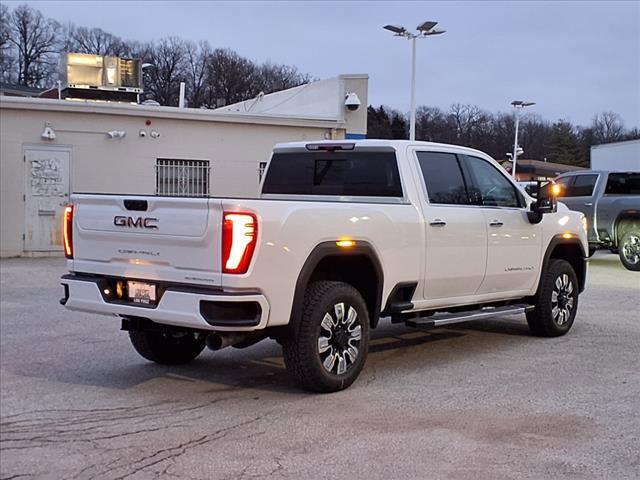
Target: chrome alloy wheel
column 339, row 340
column 631, row 249
column 562, row 299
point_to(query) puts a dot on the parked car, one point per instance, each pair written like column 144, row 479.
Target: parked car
column 611, row 204
column 344, row 233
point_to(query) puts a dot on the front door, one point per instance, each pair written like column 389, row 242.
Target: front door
column 456, row 233
column 514, row 243
column 47, row 191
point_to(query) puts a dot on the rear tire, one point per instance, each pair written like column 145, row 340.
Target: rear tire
column 629, row 250
column 167, row 348
column 556, row 302
column 327, row 347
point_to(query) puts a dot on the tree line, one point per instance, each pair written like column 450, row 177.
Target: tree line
column 31, row 45
column 493, row 133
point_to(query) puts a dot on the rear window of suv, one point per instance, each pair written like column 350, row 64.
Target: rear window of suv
column 352, row 173
column 623, row 184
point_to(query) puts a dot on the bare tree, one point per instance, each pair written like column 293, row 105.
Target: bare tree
column 93, row 40
column 272, row 77
column 470, row 122
column 7, row 57
column 162, row 79
column 607, row 127
column 230, row 78
column 35, row 39
column 197, row 57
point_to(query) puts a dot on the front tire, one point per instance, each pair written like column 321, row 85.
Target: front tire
column 167, row 348
column 629, row 250
column 556, row 303
column 327, row 348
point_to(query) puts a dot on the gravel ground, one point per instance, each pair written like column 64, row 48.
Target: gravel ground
column 478, row 400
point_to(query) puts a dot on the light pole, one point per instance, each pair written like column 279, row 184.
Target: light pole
column 423, row 30
column 518, row 105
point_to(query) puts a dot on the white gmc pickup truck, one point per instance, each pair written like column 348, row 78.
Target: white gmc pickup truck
column 344, row 233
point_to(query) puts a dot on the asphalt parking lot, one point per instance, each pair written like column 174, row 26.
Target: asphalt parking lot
column 483, row 400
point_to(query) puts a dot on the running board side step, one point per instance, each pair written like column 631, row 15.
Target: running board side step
column 441, row 319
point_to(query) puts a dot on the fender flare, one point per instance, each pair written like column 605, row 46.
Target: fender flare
column 560, row 240
column 330, row 249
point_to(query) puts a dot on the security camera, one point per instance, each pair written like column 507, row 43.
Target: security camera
column 48, row 134
column 116, row 134
column 351, row 101
column 155, row 133
column 142, row 133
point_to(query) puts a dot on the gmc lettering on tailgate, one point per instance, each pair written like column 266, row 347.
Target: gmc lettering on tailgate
column 135, row 222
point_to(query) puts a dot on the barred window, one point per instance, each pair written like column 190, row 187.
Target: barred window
column 182, row 178
column 262, row 166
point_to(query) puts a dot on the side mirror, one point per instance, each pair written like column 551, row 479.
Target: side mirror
column 546, row 201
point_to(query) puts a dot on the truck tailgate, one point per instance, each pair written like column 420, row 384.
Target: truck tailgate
column 175, row 239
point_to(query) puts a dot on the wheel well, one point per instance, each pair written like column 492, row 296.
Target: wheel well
column 572, row 253
column 356, row 270
column 627, row 221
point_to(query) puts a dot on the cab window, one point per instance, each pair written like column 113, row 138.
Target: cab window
column 443, row 178
column 490, row 187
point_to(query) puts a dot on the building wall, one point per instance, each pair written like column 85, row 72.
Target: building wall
column 109, row 165
column 616, row 156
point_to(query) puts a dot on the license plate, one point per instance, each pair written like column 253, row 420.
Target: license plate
column 140, row 292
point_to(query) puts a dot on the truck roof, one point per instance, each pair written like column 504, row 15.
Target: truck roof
column 396, row 144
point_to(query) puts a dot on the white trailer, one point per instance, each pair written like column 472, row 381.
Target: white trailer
column 618, row 156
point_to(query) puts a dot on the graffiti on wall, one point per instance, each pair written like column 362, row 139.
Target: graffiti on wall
column 46, row 177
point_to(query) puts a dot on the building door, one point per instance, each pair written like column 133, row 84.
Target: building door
column 46, row 193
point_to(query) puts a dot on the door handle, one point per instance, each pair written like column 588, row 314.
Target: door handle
column 588, row 204
column 496, row 223
column 46, row 213
column 438, row 223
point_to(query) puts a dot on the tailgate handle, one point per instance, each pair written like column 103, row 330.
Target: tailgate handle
column 136, row 205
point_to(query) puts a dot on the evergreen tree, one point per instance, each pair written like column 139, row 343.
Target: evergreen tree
column 564, row 146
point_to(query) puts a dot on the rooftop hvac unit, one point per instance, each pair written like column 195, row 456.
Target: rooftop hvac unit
column 81, row 72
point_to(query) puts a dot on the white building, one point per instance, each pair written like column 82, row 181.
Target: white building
column 620, row 156
column 50, row 148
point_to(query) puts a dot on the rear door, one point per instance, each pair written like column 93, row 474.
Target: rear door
column 456, row 234
column 170, row 238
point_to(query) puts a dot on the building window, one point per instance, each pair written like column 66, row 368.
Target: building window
column 261, row 168
column 182, row 178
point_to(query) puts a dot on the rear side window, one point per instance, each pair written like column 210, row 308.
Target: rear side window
column 623, row 184
column 443, row 178
column 360, row 174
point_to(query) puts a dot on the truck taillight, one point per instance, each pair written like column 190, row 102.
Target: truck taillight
column 67, row 231
column 239, row 238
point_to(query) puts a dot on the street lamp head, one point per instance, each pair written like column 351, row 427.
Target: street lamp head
column 426, row 26
column 434, row 32
column 395, row 29
column 528, row 104
column 516, row 103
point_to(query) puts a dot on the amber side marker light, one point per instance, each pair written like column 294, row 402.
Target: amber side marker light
column 556, row 189
column 345, row 243
column 567, row 235
column 67, row 231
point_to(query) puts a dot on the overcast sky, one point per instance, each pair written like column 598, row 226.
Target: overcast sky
column 573, row 58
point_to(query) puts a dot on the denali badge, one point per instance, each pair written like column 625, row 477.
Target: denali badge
column 135, row 222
